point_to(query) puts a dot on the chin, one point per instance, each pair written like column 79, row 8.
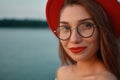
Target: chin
column 79, row 57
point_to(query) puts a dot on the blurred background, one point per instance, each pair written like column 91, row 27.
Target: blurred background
column 28, row 49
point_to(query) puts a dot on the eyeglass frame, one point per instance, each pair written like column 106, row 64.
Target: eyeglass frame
column 93, row 25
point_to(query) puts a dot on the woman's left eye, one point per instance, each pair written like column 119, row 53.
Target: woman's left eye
column 88, row 24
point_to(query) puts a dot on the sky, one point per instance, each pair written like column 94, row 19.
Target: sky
column 22, row 9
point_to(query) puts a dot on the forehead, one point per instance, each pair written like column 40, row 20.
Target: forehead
column 73, row 13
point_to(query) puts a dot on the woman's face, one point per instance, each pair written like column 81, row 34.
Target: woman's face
column 77, row 47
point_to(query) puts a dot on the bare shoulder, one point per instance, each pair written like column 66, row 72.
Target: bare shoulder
column 62, row 72
column 107, row 76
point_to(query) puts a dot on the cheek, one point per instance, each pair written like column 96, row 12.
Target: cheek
column 64, row 43
column 93, row 42
column 94, row 38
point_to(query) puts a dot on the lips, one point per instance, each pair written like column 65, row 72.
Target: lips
column 77, row 49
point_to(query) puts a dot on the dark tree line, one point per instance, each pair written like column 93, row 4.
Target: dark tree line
column 23, row 23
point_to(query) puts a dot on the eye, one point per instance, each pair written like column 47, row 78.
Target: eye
column 85, row 26
column 88, row 25
column 64, row 28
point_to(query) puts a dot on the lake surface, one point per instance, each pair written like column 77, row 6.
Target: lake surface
column 28, row 54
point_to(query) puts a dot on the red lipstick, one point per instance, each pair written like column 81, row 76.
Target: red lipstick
column 77, row 49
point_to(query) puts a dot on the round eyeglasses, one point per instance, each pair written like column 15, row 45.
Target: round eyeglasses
column 85, row 30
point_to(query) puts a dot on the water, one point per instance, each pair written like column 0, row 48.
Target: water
column 28, row 54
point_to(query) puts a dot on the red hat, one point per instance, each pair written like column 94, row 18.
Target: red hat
column 112, row 8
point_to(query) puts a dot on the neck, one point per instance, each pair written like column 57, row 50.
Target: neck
column 88, row 67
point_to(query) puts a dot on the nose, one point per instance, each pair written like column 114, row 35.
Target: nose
column 75, row 37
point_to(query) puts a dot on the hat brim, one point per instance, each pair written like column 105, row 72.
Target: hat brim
column 52, row 13
column 112, row 8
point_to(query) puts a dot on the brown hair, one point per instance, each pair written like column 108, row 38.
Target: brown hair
column 108, row 52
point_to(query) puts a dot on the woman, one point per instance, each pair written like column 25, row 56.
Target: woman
column 88, row 44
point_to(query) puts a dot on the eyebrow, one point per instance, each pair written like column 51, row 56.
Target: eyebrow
column 85, row 19
column 82, row 20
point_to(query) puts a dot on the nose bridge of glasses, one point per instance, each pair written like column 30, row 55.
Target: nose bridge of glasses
column 74, row 33
column 73, row 28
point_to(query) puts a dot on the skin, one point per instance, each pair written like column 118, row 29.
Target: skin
column 88, row 66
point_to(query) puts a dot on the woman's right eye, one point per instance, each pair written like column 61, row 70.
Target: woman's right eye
column 64, row 28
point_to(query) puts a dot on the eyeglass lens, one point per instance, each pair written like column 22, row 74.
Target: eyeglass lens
column 85, row 29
